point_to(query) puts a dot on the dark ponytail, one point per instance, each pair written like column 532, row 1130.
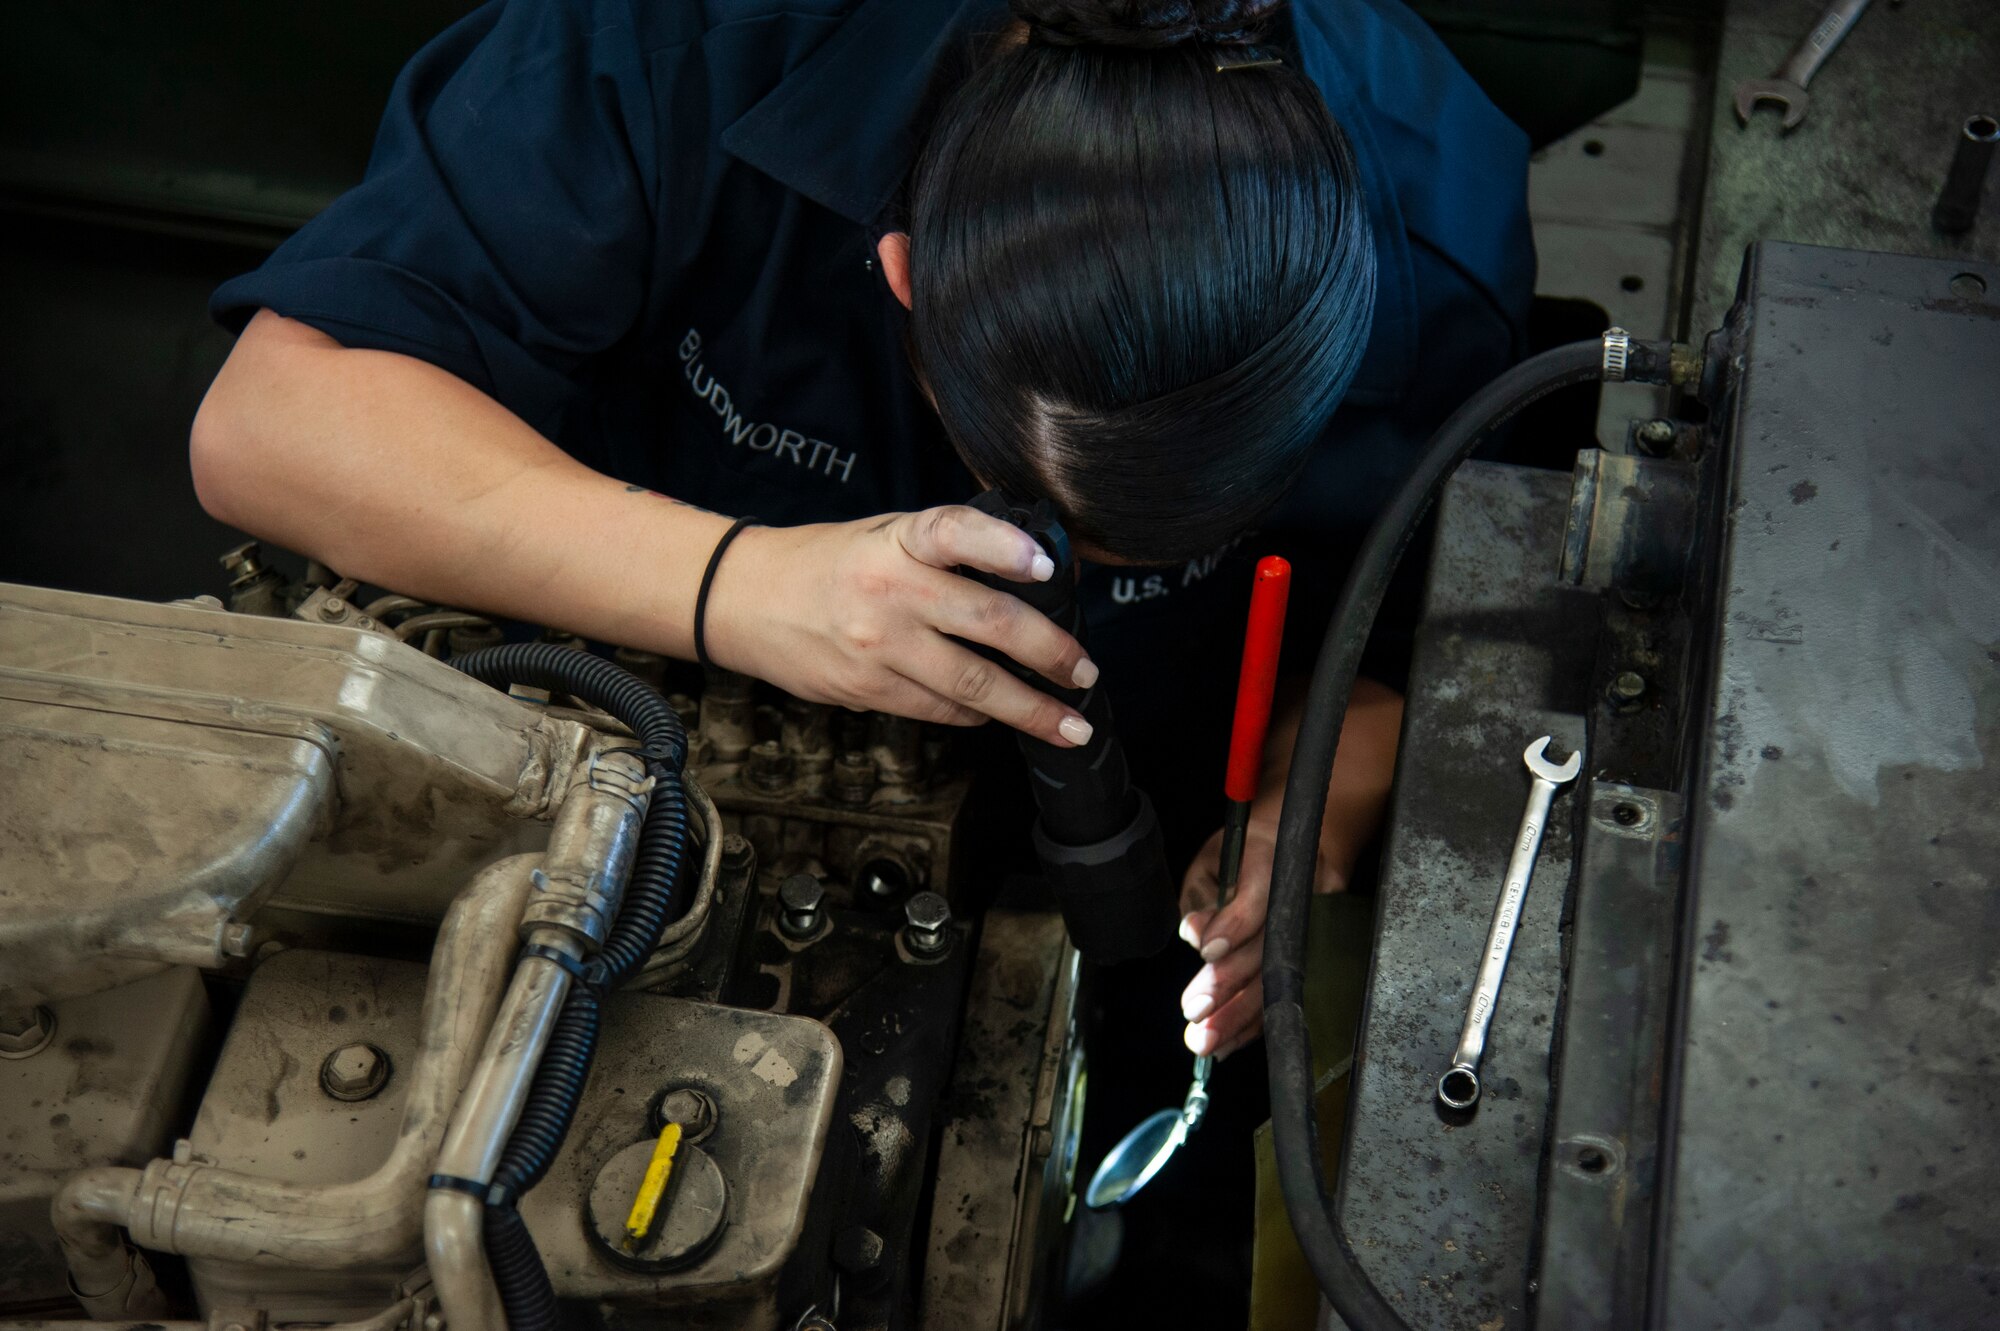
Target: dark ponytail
column 1144, row 26
column 1142, row 283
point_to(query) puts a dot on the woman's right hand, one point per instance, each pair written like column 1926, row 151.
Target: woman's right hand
column 863, row 614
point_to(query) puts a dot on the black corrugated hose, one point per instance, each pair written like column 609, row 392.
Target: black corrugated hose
column 1294, row 1120
column 649, row 897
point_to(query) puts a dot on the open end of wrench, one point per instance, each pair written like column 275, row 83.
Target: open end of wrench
column 1459, row 1088
column 1537, row 759
column 1787, row 97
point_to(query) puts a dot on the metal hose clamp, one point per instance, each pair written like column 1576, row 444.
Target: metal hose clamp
column 1617, row 353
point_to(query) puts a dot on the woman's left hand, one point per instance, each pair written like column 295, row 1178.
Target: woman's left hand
column 1224, row 1003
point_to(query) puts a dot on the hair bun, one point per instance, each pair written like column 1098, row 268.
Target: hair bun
column 1146, row 25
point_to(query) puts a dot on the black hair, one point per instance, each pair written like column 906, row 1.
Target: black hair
column 1141, row 283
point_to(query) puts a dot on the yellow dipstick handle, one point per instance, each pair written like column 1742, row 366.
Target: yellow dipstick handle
column 653, row 1186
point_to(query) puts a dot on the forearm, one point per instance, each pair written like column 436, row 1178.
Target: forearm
column 1364, row 766
column 398, row 473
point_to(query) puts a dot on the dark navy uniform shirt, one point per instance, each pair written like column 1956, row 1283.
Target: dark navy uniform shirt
column 645, row 227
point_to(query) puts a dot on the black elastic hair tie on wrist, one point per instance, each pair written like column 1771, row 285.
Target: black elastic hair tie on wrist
column 708, row 581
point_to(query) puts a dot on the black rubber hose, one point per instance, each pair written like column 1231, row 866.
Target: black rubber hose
column 544, row 665
column 648, row 900
column 649, row 895
column 554, row 1095
column 564, row 1069
column 1294, row 1120
column 518, row 1273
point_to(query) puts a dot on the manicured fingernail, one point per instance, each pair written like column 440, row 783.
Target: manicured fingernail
column 1214, row 948
column 1197, row 1007
column 1190, row 932
column 1043, row 568
column 1074, row 729
column 1196, row 1039
column 1085, row 673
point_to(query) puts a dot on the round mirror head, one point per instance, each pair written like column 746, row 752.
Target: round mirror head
column 1135, row 1159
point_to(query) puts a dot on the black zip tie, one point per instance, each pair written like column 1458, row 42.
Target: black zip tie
column 663, row 758
column 592, row 975
column 453, row 1183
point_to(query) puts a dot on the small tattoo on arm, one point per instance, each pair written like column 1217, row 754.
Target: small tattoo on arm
column 677, row 503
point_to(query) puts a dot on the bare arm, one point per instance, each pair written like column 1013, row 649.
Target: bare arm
column 398, row 473
column 401, row 474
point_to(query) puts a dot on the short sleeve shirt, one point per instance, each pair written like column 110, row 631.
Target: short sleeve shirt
column 646, row 227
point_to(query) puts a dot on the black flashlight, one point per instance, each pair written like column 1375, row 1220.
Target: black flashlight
column 1096, row 835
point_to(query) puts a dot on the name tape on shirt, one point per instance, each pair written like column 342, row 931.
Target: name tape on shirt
column 774, row 441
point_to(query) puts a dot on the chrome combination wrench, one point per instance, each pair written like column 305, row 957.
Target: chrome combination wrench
column 1786, row 88
column 1458, row 1088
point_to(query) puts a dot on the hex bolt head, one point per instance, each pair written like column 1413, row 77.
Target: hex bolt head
column 26, row 1032
column 689, row 1106
column 799, row 900
column 354, row 1072
column 927, row 917
column 1626, row 690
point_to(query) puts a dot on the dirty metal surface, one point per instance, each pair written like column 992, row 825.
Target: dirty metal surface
column 435, row 774
column 1442, row 1212
column 266, row 1114
column 110, row 1089
column 773, row 1081
column 1007, row 1131
column 1597, row 1192
column 1867, row 164
column 130, row 843
column 1835, row 1159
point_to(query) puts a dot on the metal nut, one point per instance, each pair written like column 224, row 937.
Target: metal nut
column 770, row 767
column 1654, row 438
column 244, row 562
column 25, row 1032
column 354, row 1072
column 854, row 777
column 927, row 917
